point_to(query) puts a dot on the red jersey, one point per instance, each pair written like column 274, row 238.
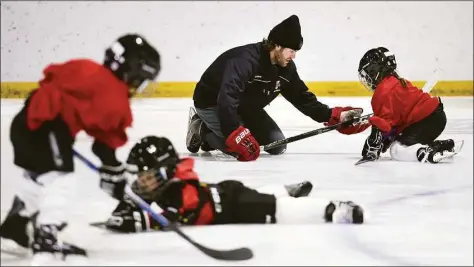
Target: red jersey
column 188, row 196
column 400, row 107
column 87, row 96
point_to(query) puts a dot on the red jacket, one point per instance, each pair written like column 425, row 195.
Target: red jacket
column 188, row 196
column 87, row 96
column 397, row 107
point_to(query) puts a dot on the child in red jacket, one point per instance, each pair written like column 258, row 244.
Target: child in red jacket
column 77, row 95
column 406, row 119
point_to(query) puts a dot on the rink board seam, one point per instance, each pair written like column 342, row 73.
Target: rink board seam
column 320, row 88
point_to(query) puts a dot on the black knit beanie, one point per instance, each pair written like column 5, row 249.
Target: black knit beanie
column 287, row 33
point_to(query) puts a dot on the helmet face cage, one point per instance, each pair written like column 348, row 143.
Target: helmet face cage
column 366, row 80
column 375, row 65
column 162, row 171
column 155, row 156
column 141, row 72
column 133, row 61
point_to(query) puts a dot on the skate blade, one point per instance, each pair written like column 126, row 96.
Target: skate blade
column 449, row 155
column 458, row 146
column 445, row 156
column 361, row 161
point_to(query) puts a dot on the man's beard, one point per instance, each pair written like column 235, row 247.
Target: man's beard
column 280, row 59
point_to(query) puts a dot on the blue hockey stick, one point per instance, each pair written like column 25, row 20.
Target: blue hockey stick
column 230, row 255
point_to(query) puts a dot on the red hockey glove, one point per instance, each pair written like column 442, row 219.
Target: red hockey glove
column 342, row 114
column 242, row 142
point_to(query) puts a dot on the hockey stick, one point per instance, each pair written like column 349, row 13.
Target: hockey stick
column 102, row 224
column 429, row 85
column 230, row 255
column 314, row 132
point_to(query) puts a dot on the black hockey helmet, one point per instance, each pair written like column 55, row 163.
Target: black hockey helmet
column 376, row 64
column 156, row 154
column 134, row 61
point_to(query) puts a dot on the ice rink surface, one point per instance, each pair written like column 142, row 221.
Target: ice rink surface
column 420, row 214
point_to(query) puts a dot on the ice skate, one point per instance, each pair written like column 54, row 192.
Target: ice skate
column 344, row 212
column 302, row 189
column 49, row 250
column 193, row 137
column 15, row 231
column 439, row 150
column 206, row 147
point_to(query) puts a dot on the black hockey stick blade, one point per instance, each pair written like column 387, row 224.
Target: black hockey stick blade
column 314, row 132
column 97, row 224
column 363, row 160
column 239, row 254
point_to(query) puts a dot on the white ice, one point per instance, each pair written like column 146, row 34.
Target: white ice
column 419, row 214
